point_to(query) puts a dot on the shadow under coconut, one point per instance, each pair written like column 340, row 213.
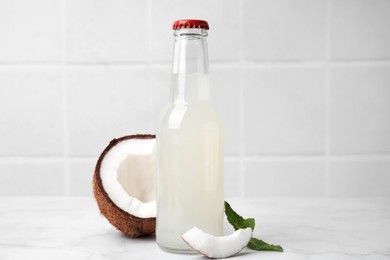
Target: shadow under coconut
column 151, row 237
column 200, row 256
column 244, row 252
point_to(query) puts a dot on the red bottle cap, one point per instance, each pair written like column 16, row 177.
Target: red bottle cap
column 188, row 23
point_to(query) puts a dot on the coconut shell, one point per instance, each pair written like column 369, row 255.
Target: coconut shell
column 130, row 225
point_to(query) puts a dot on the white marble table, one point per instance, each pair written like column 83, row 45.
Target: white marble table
column 71, row 228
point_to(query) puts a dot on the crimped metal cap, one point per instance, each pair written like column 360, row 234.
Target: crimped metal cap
column 190, row 23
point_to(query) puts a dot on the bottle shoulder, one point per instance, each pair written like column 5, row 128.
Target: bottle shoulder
column 178, row 115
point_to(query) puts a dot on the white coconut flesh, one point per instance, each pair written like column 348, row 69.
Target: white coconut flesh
column 128, row 176
column 217, row 247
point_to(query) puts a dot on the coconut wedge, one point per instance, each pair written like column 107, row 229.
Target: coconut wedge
column 217, row 247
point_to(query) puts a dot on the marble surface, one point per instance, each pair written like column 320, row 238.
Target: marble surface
column 71, row 228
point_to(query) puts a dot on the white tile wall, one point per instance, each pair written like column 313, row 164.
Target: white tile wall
column 80, row 177
column 284, row 111
column 32, row 178
column 31, row 112
column 30, row 31
column 232, row 178
column 284, row 29
column 225, row 90
column 285, row 178
column 303, row 87
column 360, row 110
column 360, row 29
column 105, row 31
column 105, row 103
column 360, row 178
column 160, row 84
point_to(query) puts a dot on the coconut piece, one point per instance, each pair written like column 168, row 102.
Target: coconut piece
column 124, row 184
column 217, row 247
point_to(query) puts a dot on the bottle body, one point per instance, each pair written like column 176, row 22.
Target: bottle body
column 190, row 163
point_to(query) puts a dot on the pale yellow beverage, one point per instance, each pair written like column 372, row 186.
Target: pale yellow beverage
column 190, row 164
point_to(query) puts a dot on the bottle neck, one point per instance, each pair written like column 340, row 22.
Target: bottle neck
column 190, row 52
column 190, row 66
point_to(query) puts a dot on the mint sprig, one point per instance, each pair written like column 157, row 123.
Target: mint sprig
column 238, row 222
column 260, row 245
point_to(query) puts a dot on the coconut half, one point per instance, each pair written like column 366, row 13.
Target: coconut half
column 217, row 247
column 124, row 184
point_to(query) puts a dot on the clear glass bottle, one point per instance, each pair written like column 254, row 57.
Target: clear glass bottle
column 189, row 146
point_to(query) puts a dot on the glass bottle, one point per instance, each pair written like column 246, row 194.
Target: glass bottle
column 189, row 146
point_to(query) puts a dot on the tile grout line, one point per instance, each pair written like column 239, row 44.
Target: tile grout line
column 241, row 102
column 149, row 66
column 65, row 99
column 327, row 97
column 243, row 63
column 236, row 158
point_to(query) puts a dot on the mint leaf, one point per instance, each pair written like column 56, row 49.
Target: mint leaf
column 238, row 222
column 249, row 222
column 260, row 245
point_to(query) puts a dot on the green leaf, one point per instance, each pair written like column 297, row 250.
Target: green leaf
column 260, row 245
column 237, row 221
column 249, row 222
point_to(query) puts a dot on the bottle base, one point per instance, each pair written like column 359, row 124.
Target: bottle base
column 181, row 251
